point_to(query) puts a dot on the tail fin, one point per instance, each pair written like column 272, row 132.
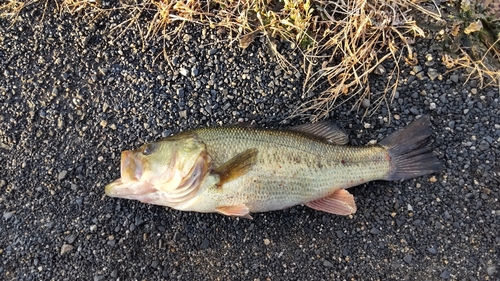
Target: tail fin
column 409, row 153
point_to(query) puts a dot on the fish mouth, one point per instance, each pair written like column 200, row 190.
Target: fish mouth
column 129, row 189
column 174, row 191
column 130, row 186
column 130, row 167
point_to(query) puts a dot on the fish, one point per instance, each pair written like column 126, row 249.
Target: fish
column 240, row 170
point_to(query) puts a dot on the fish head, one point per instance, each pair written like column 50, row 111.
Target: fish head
column 154, row 172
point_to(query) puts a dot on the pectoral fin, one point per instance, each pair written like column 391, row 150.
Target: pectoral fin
column 237, row 166
column 341, row 202
column 238, row 210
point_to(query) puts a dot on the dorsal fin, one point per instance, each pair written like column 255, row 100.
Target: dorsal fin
column 237, row 166
column 242, row 124
column 327, row 130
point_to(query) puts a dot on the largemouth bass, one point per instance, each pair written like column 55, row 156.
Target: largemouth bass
column 237, row 171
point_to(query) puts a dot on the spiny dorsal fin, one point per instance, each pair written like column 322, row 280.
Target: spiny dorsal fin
column 242, row 124
column 341, row 202
column 327, row 130
column 237, row 166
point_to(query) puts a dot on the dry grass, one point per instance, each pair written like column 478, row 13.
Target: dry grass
column 10, row 8
column 484, row 70
column 474, row 41
column 343, row 41
column 358, row 36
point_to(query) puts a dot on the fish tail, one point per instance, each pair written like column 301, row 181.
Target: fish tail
column 409, row 152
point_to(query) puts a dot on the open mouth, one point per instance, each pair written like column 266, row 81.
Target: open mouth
column 129, row 185
column 166, row 186
column 131, row 169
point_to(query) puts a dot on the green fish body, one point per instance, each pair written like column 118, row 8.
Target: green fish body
column 239, row 170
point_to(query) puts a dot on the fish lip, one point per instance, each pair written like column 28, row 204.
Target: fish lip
column 110, row 189
column 129, row 189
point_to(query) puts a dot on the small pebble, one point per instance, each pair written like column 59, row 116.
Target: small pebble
column 180, row 92
column 445, row 274
column 416, row 69
column 432, row 73
column 212, row 51
column 70, row 239
column 375, row 231
column 204, row 245
column 183, row 72
column 266, row 241
column 380, row 70
column 491, row 270
column 484, row 145
column 432, row 250
column 138, row 221
column 62, row 174
column 177, row 236
column 7, row 215
column 66, row 248
column 194, row 71
column 327, row 264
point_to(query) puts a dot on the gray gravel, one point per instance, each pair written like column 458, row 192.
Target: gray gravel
column 72, row 96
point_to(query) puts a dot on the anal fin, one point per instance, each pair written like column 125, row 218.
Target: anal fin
column 341, row 202
column 238, row 210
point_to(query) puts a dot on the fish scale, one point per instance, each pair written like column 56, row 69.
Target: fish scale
column 291, row 168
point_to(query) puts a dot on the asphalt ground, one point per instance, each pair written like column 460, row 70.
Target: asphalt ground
column 74, row 94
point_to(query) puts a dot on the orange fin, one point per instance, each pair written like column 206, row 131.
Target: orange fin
column 341, row 202
column 237, row 166
column 238, row 210
column 329, row 131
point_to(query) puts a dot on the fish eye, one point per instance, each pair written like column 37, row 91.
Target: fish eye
column 147, row 150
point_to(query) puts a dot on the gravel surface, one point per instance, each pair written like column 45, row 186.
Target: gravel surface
column 73, row 95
